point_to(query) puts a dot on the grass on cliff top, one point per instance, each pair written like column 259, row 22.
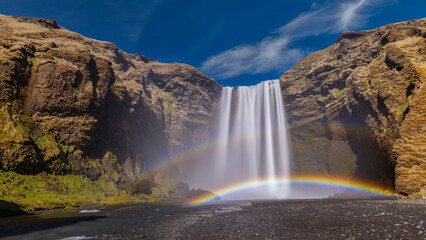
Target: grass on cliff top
column 45, row 191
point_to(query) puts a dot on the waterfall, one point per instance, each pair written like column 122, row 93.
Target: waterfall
column 252, row 139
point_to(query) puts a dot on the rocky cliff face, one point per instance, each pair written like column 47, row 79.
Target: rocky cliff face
column 70, row 104
column 358, row 108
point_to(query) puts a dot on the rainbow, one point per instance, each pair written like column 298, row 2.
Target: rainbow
column 180, row 157
column 329, row 181
column 194, row 152
column 205, row 147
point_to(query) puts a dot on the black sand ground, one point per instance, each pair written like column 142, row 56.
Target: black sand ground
column 326, row 219
column 288, row 219
column 301, row 219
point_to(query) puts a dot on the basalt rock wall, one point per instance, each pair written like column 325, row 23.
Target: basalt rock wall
column 358, row 108
column 70, row 104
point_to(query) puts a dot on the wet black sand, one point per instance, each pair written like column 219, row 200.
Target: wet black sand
column 313, row 219
column 286, row 219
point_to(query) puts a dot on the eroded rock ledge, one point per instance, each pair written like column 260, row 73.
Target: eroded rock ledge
column 358, row 108
column 70, row 104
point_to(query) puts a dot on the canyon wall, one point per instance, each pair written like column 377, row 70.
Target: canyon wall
column 358, row 108
column 70, row 104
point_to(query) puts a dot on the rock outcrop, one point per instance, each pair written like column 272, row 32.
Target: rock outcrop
column 358, row 108
column 162, row 186
column 70, row 104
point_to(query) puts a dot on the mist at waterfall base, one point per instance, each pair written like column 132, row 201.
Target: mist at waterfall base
column 251, row 143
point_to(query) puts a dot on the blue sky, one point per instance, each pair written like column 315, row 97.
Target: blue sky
column 239, row 42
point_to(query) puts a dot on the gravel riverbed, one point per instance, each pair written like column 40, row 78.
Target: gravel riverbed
column 269, row 219
column 316, row 219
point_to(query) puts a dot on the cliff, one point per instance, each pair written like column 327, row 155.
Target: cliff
column 74, row 105
column 357, row 109
column 71, row 104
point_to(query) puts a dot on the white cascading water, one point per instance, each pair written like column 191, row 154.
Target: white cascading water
column 252, row 141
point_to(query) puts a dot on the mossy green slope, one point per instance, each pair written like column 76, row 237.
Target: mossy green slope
column 45, row 191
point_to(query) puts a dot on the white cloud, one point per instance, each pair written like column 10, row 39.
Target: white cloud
column 268, row 55
column 274, row 53
column 350, row 15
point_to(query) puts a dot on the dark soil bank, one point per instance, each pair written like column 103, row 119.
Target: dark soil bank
column 286, row 219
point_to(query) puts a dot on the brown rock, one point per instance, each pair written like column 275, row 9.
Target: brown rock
column 70, row 104
column 357, row 109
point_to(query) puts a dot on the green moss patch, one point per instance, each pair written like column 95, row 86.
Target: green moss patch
column 45, row 191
